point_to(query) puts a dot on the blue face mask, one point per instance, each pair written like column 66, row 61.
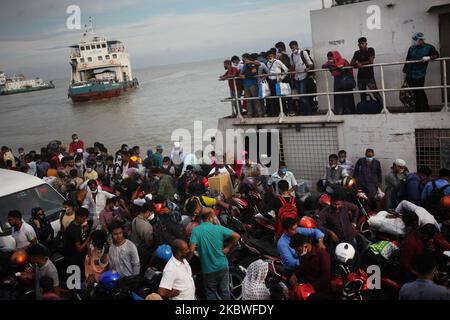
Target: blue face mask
column 284, row 171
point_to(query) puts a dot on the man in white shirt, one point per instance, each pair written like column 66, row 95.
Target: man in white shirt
column 344, row 163
column 275, row 67
column 423, row 215
column 282, row 174
column 22, row 232
column 95, row 200
column 302, row 62
column 177, row 154
column 177, row 282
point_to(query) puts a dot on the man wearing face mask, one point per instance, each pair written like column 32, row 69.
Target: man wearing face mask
column 282, row 174
column 395, row 184
column 90, row 173
column 75, row 145
column 142, row 232
column 112, row 212
column 415, row 73
column 95, row 200
column 315, row 268
column 334, row 173
column 368, row 175
column 345, row 163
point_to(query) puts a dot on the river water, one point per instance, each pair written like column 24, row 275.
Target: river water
column 169, row 97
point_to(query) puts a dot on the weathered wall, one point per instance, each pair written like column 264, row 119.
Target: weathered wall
column 343, row 25
column 392, row 136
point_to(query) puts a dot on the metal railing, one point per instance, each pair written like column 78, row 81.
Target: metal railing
column 327, row 92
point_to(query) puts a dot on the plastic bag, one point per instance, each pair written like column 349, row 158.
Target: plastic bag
column 283, row 89
column 387, row 223
column 407, row 96
column 380, row 195
column 264, row 89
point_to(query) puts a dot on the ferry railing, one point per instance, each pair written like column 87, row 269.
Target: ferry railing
column 327, row 92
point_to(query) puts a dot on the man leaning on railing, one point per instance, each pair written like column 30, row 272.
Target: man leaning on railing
column 416, row 72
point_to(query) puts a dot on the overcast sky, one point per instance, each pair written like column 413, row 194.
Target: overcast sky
column 34, row 38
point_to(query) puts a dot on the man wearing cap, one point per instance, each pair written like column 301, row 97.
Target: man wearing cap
column 75, row 145
column 395, row 184
column 416, row 72
column 157, row 156
column 366, row 78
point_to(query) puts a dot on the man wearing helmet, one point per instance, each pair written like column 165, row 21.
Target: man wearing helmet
column 315, row 267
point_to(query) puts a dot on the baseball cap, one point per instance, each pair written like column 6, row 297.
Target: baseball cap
column 418, row 35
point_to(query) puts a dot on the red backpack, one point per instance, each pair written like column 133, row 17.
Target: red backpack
column 288, row 210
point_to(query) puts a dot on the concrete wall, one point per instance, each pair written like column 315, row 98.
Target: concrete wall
column 345, row 24
column 392, row 136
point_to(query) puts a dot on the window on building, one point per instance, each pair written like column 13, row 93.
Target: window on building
column 107, row 57
column 99, row 46
column 104, row 45
column 100, row 58
column 82, row 60
column 88, row 47
column 89, row 59
column 82, row 48
column 114, row 56
column 433, row 149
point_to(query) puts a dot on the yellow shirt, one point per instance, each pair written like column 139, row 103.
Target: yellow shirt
column 90, row 176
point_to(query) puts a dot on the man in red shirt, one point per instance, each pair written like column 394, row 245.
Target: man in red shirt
column 75, row 145
column 315, row 265
column 235, row 85
column 416, row 244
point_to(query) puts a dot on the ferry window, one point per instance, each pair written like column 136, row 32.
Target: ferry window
column 82, row 48
column 433, row 149
column 98, row 46
column 114, row 56
column 89, row 59
column 103, row 45
column 82, row 60
column 107, row 57
column 100, row 58
column 88, row 47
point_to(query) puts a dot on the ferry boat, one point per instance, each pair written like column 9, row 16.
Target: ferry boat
column 420, row 138
column 20, row 84
column 100, row 68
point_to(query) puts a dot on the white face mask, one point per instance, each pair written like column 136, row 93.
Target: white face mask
column 76, row 140
column 115, row 208
column 151, row 217
column 157, row 178
column 304, row 253
column 95, row 191
column 89, row 170
column 78, row 164
column 165, row 166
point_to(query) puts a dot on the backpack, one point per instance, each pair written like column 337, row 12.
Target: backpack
column 433, row 202
column 287, row 210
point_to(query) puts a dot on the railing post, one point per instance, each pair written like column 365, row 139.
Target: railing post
column 327, row 88
column 236, row 100
column 444, row 68
column 383, row 87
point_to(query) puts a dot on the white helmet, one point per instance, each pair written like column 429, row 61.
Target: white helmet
column 344, row 252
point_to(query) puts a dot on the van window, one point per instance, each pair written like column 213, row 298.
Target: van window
column 42, row 196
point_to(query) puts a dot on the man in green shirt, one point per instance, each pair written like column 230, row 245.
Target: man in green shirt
column 157, row 156
column 208, row 240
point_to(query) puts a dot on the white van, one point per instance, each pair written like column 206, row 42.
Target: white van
column 23, row 192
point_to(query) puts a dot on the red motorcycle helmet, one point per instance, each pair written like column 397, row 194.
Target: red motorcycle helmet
column 240, row 203
column 445, row 202
column 308, row 223
column 158, row 207
column 304, row 291
column 325, row 200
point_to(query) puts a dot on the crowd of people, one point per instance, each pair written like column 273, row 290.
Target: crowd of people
column 247, row 77
column 156, row 217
